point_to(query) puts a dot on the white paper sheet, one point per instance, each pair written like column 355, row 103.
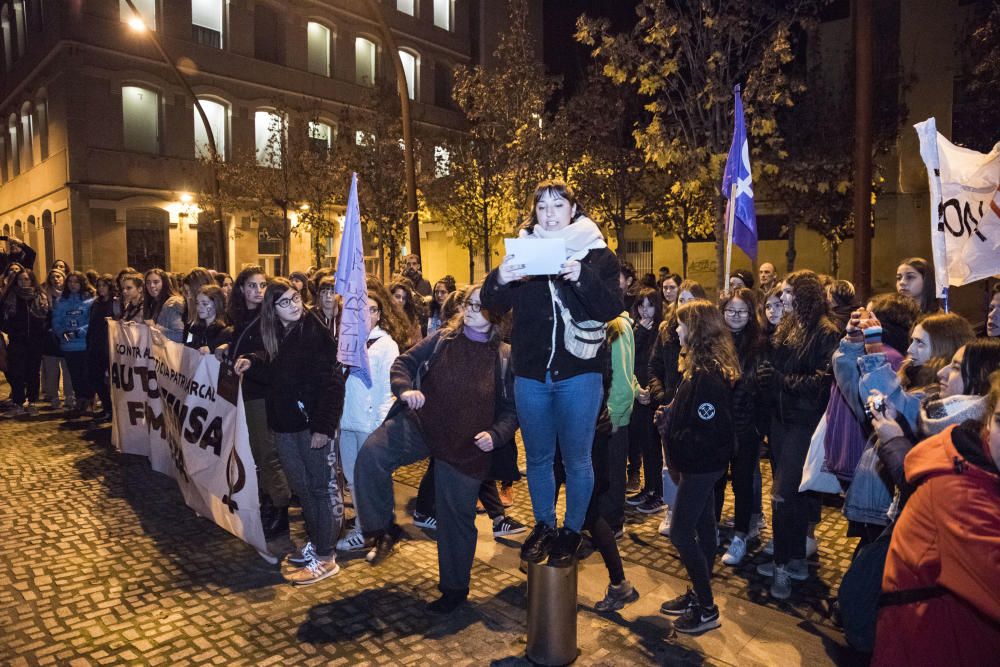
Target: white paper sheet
column 540, row 257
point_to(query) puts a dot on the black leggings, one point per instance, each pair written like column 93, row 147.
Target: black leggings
column 693, row 531
column 741, row 468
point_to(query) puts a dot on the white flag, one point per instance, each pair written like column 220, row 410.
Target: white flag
column 965, row 208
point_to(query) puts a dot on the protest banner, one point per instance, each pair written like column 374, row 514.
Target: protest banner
column 169, row 394
column 965, row 208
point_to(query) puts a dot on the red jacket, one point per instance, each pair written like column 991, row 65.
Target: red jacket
column 948, row 536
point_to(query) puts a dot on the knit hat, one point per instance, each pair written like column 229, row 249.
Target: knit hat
column 743, row 275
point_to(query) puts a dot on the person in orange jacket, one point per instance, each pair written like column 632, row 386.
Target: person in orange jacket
column 940, row 601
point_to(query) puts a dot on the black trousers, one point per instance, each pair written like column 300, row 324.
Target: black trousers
column 642, row 434
column 791, row 510
column 693, row 530
column 24, row 362
column 742, row 468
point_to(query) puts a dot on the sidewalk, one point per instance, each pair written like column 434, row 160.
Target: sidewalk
column 102, row 563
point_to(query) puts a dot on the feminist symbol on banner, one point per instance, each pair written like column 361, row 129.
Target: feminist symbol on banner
column 234, row 468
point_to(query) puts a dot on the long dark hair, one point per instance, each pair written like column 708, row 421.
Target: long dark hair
column 270, row 326
column 151, row 306
column 40, row 300
column 237, row 310
column 391, row 317
column 708, row 346
column 897, row 314
column 193, row 281
column 982, row 357
column 108, row 280
column 555, row 188
column 414, row 306
column 86, row 289
column 798, row 328
column 214, row 293
column 448, row 282
column 655, row 299
column 928, row 298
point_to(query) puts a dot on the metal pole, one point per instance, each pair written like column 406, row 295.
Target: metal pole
column 730, row 219
column 863, row 91
column 413, row 224
column 219, row 222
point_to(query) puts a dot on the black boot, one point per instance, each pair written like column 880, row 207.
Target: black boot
column 449, row 601
column 267, row 516
column 536, row 547
column 564, row 547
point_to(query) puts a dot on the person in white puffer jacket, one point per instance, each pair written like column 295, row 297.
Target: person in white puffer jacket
column 365, row 408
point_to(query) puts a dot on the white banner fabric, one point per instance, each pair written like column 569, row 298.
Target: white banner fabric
column 167, row 406
column 965, row 208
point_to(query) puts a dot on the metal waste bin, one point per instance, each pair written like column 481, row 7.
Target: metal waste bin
column 551, row 614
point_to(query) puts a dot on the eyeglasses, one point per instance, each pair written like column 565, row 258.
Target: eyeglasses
column 325, row 289
column 736, row 313
column 289, row 300
column 474, row 306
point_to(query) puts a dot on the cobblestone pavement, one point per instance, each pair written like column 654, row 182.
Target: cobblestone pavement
column 102, row 563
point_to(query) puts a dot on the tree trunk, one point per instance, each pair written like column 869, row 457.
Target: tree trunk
column 487, row 263
column 684, row 257
column 835, row 259
column 620, row 237
column 381, row 261
column 790, row 252
column 472, row 263
column 286, row 239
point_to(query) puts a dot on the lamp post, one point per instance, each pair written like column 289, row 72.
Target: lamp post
column 137, row 24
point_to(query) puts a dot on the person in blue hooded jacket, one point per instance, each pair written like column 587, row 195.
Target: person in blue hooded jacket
column 70, row 322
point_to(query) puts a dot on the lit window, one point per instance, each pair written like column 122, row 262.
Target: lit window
column 443, row 13
column 318, row 48
column 364, row 58
column 206, row 22
column 27, row 137
column 269, row 130
column 442, row 161
column 410, row 71
column 141, row 119
column 42, row 125
column 218, row 117
column 362, row 138
column 8, row 52
column 15, row 147
column 320, row 136
column 147, row 10
column 406, row 6
column 20, row 25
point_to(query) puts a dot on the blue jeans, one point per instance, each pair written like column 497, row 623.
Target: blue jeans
column 563, row 412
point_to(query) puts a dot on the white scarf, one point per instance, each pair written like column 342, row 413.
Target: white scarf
column 581, row 237
column 938, row 414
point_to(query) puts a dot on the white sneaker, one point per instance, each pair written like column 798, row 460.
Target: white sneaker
column 664, row 528
column 268, row 557
column 736, row 552
column 314, row 571
column 353, row 541
column 797, row 569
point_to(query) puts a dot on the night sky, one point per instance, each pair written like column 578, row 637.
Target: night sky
column 566, row 58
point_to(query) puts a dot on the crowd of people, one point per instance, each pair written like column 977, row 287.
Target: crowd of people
column 630, row 391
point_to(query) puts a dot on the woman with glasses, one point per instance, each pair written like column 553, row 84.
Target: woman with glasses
column 365, row 406
column 456, row 404
column 304, row 400
column 739, row 311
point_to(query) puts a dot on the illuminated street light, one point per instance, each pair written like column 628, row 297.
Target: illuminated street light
column 185, row 197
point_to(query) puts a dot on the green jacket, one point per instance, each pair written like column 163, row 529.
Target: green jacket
column 624, row 386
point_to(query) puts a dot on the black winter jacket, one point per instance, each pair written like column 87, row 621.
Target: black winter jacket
column 700, row 432
column 804, row 377
column 596, row 296
column 245, row 340
column 645, row 339
column 410, row 367
column 664, row 375
column 97, row 329
column 304, row 383
column 212, row 335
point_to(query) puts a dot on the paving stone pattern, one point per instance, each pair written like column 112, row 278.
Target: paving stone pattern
column 102, row 563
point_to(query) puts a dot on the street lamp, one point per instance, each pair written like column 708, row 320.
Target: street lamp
column 137, row 24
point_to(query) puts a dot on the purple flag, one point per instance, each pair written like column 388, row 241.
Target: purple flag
column 352, row 350
column 738, row 173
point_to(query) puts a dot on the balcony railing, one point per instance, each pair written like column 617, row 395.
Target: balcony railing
column 206, row 36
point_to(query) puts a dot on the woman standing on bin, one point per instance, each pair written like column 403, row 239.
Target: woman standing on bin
column 558, row 390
